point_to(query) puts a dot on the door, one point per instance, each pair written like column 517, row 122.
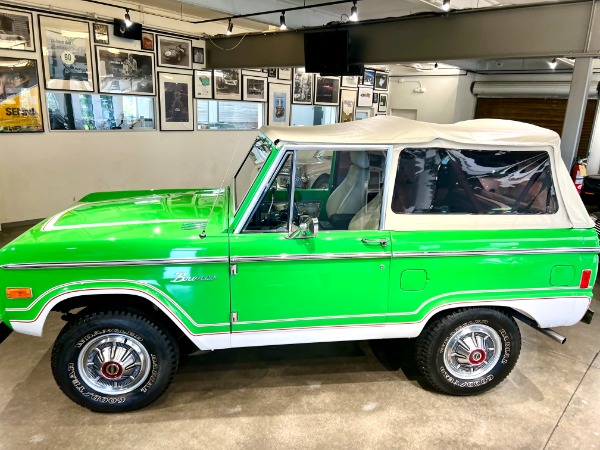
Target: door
column 329, row 287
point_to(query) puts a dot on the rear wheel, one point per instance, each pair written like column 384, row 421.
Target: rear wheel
column 114, row 361
column 469, row 351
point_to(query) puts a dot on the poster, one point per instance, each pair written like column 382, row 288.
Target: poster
column 16, row 30
column 176, row 104
column 279, row 104
column 20, row 107
column 125, row 71
column 347, row 105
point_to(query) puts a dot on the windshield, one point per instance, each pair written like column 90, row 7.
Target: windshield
column 250, row 168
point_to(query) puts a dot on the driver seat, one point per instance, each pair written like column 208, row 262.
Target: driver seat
column 350, row 196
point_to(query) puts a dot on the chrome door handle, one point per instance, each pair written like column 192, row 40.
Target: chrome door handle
column 382, row 242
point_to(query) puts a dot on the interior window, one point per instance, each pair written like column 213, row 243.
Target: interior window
column 442, row 181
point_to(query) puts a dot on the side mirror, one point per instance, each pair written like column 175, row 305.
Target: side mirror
column 309, row 228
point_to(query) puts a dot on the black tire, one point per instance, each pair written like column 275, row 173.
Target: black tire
column 322, row 182
column 446, row 343
column 128, row 347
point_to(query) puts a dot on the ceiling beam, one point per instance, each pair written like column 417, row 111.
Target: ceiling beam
column 554, row 29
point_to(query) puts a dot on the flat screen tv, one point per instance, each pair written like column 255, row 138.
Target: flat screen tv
column 133, row 31
column 326, row 52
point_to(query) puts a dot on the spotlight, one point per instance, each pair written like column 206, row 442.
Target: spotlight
column 229, row 31
column 553, row 64
column 282, row 25
column 127, row 18
column 354, row 12
column 446, row 5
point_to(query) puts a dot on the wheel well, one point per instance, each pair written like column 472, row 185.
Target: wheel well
column 505, row 309
column 83, row 304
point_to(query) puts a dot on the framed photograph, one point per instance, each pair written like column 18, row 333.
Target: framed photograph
column 383, row 103
column 100, row 33
column 272, row 72
column 255, row 89
column 279, row 105
column 365, row 96
column 66, row 54
column 20, row 91
column 375, row 98
column 228, row 84
column 347, row 105
column 125, row 71
column 381, row 81
column 302, row 87
column 175, row 100
column 198, row 55
column 284, row 74
column 350, row 82
column 364, row 114
column 368, row 77
column 203, row 84
column 147, row 41
column 327, row 90
column 16, row 30
column 174, row 52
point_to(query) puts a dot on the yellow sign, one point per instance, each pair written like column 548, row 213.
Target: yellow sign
column 22, row 109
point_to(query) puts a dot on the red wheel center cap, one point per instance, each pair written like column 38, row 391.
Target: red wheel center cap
column 112, row 369
column 477, row 356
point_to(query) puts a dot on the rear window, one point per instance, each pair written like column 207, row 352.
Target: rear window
column 445, row 181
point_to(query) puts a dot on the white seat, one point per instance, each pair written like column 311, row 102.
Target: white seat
column 368, row 216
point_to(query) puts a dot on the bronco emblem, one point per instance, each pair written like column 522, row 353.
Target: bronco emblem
column 181, row 277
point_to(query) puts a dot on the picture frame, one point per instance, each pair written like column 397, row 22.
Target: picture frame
column 347, row 105
column 255, row 89
column 272, row 72
column 382, row 105
column 123, row 71
column 350, row 81
column 303, row 87
column 147, row 41
column 375, row 98
column 279, row 104
column 21, row 90
column 381, row 81
column 66, row 54
column 365, row 96
column 100, row 33
column 14, row 23
column 203, row 84
column 368, row 77
column 174, row 52
column 327, row 90
column 284, row 74
column 176, row 110
column 228, row 84
column 198, row 55
column 362, row 114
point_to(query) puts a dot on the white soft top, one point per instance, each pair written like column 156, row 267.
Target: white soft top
column 470, row 134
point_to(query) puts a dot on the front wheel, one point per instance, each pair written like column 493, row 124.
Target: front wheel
column 468, row 351
column 113, row 361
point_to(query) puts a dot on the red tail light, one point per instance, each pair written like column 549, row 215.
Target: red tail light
column 586, row 275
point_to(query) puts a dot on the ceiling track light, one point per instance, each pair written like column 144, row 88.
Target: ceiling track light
column 446, row 5
column 282, row 25
column 127, row 18
column 553, row 64
column 354, row 12
column 229, row 31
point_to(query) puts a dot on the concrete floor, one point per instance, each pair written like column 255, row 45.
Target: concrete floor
column 335, row 395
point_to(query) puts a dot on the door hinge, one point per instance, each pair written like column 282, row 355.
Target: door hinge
column 233, row 269
column 233, row 317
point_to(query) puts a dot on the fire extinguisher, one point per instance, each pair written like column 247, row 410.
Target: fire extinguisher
column 578, row 172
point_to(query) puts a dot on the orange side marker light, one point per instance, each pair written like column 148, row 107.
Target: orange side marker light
column 17, row 293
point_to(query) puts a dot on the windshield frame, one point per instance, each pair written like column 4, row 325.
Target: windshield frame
column 265, row 147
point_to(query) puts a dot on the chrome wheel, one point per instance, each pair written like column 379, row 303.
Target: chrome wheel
column 114, row 364
column 472, row 351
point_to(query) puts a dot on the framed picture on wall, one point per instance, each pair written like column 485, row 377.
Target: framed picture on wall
column 174, row 52
column 147, row 41
column 363, row 114
column 175, row 101
column 347, row 105
column 365, row 96
column 375, row 98
column 16, row 30
column 383, row 103
column 20, row 91
column 255, row 89
column 100, row 33
column 327, row 90
column 351, row 82
column 123, row 71
column 302, row 87
column 67, row 58
column 272, row 72
column 279, row 104
column 284, row 74
column 368, row 77
column 198, row 55
column 203, row 84
column 381, row 81
column 228, row 84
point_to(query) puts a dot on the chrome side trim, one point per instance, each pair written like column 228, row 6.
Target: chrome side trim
column 387, row 186
column 132, row 262
column 315, row 257
column 537, row 251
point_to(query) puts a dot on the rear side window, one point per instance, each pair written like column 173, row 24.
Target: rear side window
column 444, row 181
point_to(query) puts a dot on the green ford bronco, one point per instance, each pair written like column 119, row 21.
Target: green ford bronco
column 383, row 228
